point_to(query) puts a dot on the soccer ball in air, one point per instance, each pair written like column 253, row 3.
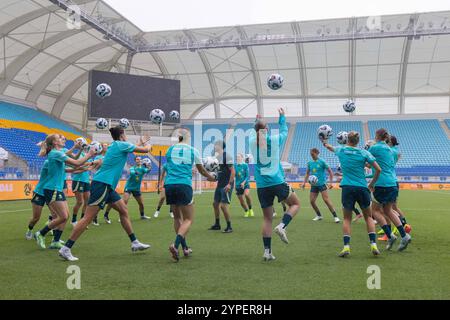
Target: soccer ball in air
column 101, row 123
column 146, row 162
column 313, row 180
column 342, row 137
column 157, row 116
column 368, row 144
column 96, row 146
column 275, row 81
column 349, row 106
column 174, row 115
column 324, row 132
column 211, row 164
column 103, row 90
column 83, row 141
column 124, row 123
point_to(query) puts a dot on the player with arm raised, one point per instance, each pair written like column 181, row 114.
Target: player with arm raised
column 133, row 186
column 103, row 191
column 354, row 187
column 270, row 180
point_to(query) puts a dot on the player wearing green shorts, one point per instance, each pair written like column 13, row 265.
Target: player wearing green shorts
column 243, row 186
column 386, row 191
column 317, row 168
column 82, row 189
column 53, row 186
column 103, row 191
column 181, row 157
column 354, row 187
column 133, row 186
column 270, row 181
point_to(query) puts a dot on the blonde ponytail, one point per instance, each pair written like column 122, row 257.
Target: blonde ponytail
column 47, row 145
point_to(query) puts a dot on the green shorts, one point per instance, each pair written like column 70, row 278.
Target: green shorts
column 101, row 194
column 135, row 193
column 38, row 200
column 53, row 195
column 78, row 186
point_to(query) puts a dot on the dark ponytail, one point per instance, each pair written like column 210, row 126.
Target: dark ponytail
column 382, row 135
column 116, row 132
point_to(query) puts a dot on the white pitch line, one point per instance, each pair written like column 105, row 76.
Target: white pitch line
column 21, row 210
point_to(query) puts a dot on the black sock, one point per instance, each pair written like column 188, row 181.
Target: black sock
column 229, row 224
column 106, row 215
column 356, row 211
column 142, row 214
column 57, row 235
column 159, row 208
column 217, row 222
column 403, row 220
column 267, row 243
column 30, row 227
column 74, row 218
column 334, row 214
column 82, row 215
column 44, row 231
column 318, row 214
column 132, row 237
column 69, row 243
column 250, row 207
column 95, row 220
column 50, row 218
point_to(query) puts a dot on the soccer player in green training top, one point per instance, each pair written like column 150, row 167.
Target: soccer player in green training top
column 386, row 190
column 103, row 191
column 317, row 168
column 181, row 157
column 133, row 186
column 243, row 186
column 270, row 180
column 354, row 187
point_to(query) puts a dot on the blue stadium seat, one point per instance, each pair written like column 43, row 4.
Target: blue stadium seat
column 423, row 143
column 9, row 111
column 305, row 138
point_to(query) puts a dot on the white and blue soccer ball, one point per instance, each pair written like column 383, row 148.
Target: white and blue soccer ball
column 103, row 90
column 157, row 116
column 313, row 180
column 342, row 137
column 124, row 123
column 324, row 132
column 368, row 144
column 349, row 106
column 96, row 146
column 101, row 123
column 275, row 81
column 211, row 164
column 146, row 162
column 174, row 115
column 82, row 142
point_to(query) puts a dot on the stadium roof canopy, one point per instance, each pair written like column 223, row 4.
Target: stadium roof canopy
column 390, row 64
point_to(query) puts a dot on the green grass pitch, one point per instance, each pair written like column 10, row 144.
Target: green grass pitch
column 230, row 266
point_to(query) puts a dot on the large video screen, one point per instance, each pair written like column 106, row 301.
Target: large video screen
column 133, row 97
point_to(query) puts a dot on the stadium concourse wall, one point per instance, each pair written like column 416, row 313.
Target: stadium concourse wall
column 23, row 189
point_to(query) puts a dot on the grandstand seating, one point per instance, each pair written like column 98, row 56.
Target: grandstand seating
column 448, row 123
column 422, row 142
column 22, row 128
column 305, row 138
column 15, row 113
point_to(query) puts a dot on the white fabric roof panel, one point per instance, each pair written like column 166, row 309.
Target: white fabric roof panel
column 328, row 71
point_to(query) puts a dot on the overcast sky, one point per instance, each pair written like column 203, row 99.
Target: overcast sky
column 152, row 15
